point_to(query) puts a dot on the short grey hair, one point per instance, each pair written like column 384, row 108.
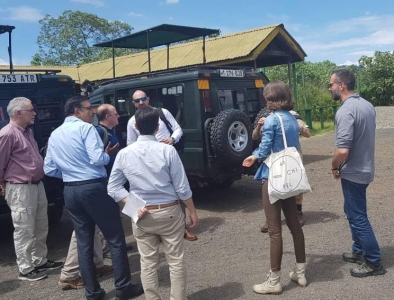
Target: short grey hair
column 16, row 104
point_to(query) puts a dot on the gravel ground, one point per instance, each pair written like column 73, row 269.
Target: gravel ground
column 231, row 254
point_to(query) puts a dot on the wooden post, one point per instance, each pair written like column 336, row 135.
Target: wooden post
column 113, row 60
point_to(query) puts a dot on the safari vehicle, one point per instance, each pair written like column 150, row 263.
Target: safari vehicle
column 215, row 107
column 48, row 92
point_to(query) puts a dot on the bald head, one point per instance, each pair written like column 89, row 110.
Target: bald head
column 140, row 99
column 107, row 115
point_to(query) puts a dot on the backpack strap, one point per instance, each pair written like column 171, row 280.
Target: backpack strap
column 104, row 138
column 166, row 122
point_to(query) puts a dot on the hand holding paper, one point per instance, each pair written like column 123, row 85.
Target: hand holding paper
column 133, row 205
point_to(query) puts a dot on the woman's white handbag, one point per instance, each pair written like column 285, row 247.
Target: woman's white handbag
column 287, row 177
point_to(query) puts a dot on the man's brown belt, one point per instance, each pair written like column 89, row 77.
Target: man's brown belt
column 149, row 207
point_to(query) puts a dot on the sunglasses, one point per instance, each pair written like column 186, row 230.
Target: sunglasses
column 330, row 85
column 143, row 99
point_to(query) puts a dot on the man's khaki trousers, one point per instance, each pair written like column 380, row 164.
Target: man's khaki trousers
column 169, row 225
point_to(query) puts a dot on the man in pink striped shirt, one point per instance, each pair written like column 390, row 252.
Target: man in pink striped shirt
column 21, row 172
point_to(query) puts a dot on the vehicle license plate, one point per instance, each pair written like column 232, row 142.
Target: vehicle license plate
column 231, row 73
column 18, row 78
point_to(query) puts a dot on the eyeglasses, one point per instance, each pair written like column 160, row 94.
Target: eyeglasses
column 87, row 107
column 29, row 110
column 331, row 84
column 143, row 99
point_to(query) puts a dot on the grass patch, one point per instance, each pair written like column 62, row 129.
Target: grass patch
column 316, row 127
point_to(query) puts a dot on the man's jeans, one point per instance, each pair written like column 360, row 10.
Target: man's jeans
column 355, row 206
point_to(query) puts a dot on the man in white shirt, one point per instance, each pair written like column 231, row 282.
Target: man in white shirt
column 156, row 174
column 162, row 135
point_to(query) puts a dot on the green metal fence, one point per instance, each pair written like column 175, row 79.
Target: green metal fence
column 319, row 114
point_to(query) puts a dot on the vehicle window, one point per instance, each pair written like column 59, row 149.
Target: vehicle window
column 153, row 98
column 171, row 98
column 110, row 99
column 67, row 92
column 7, row 95
column 48, row 113
column 253, row 102
column 123, row 103
column 46, row 95
column 231, row 99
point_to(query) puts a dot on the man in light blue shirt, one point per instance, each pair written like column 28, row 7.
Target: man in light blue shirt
column 156, row 174
column 76, row 154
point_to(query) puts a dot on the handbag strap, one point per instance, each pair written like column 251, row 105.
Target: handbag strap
column 283, row 129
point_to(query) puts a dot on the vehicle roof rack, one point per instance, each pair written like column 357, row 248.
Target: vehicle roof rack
column 161, row 35
column 28, row 71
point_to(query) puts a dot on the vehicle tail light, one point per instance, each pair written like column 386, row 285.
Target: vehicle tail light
column 258, row 83
column 203, row 84
column 206, row 98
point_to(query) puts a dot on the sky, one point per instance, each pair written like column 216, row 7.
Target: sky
column 339, row 31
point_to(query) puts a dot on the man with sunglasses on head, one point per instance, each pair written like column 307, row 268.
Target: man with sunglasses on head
column 76, row 154
column 21, row 174
column 140, row 99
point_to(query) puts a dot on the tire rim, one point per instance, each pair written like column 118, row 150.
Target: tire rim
column 237, row 136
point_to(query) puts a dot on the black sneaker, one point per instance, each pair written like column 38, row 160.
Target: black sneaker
column 33, row 275
column 50, row 265
column 367, row 269
column 353, row 258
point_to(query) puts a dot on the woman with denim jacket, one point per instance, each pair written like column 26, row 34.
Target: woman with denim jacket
column 279, row 99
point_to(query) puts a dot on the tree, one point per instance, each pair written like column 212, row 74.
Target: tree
column 377, row 78
column 311, row 79
column 69, row 39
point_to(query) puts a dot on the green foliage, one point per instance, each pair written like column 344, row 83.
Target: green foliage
column 69, row 39
column 377, row 78
column 317, row 130
column 311, row 86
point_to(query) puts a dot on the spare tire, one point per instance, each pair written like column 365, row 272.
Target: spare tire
column 231, row 136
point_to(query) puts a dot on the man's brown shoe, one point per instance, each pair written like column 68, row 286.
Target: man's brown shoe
column 190, row 236
column 104, row 270
column 71, row 284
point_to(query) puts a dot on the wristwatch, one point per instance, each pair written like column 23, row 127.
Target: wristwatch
column 334, row 169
